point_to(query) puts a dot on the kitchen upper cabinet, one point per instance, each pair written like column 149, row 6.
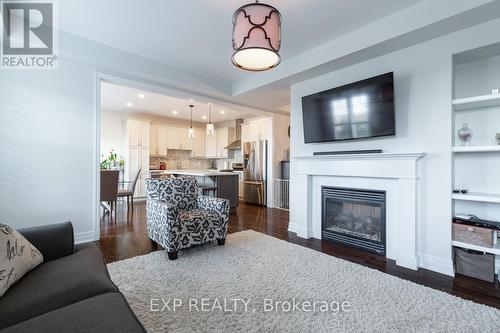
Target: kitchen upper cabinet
column 162, row 140
column 186, row 142
column 198, row 143
column 177, row 138
column 173, row 138
column 158, row 140
column 258, row 130
column 138, row 133
column 211, row 146
column 223, row 137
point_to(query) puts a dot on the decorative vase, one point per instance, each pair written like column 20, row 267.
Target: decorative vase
column 465, row 134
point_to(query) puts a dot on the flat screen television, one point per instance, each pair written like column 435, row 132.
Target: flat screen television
column 359, row 110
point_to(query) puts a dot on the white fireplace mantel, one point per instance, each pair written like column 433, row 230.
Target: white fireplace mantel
column 395, row 173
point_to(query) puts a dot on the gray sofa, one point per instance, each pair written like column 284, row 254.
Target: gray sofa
column 71, row 291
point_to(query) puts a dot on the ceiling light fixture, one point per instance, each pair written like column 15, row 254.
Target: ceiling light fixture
column 210, row 126
column 141, row 96
column 204, row 117
column 129, row 105
column 174, row 111
column 191, row 129
column 222, row 111
column 256, row 37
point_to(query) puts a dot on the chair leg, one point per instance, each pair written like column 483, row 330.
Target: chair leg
column 154, row 244
column 172, row 255
column 132, row 202
column 221, row 242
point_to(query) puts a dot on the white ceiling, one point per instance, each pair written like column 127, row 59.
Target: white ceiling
column 196, row 34
column 116, row 98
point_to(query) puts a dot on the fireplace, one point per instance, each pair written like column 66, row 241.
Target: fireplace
column 354, row 217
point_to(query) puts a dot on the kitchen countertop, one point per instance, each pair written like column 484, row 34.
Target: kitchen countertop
column 196, row 173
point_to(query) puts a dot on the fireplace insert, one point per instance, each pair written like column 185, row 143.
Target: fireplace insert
column 354, row 217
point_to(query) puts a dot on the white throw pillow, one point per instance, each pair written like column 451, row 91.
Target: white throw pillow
column 17, row 257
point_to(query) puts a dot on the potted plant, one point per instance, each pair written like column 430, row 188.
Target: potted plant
column 113, row 161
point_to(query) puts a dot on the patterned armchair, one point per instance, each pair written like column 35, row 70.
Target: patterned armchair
column 177, row 217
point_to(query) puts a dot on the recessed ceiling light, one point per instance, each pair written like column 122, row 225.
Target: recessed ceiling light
column 130, row 104
column 141, row 96
column 222, row 111
column 174, row 111
column 204, row 117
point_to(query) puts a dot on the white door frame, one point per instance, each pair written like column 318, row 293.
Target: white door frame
column 135, row 82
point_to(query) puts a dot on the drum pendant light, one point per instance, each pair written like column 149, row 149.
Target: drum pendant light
column 256, row 37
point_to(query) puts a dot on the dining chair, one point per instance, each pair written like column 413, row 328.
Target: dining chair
column 109, row 189
column 130, row 189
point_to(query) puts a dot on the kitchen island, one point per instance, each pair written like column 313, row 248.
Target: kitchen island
column 226, row 183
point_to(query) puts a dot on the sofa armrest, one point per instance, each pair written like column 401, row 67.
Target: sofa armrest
column 214, row 205
column 160, row 213
column 53, row 241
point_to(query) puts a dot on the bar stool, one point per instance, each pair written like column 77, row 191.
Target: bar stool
column 206, row 190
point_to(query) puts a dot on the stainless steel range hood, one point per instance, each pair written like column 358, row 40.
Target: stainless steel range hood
column 236, row 144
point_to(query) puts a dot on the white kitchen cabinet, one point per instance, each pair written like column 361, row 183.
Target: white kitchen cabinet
column 223, row 137
column 186, row 142
column 138, row 158
column 139, row 139
column 162, row 140
column 211, row 146
column 158, row 140
column 138, row 133
column 153, row 140
column 173, row 138
column 177, row 138
column 198, row 143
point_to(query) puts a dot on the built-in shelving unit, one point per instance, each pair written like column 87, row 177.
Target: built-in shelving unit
column 478, row 197
column 476, row 102
column 476, row 166
column 492, row 250
column 476, row 149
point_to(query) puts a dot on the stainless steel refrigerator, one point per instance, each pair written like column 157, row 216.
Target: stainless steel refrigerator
column 255, row 173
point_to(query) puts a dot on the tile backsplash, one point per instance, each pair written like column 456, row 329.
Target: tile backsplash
column 181, row 159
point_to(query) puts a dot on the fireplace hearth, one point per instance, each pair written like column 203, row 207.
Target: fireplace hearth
column 354, row 217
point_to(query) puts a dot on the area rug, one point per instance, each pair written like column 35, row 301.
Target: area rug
column 257, row 283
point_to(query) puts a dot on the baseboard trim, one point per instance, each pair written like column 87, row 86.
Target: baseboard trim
column 84, row 237
column 292, row 227
column 436, row 264
column 407, row 261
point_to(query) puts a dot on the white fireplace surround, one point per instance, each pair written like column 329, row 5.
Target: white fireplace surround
column 394, row 173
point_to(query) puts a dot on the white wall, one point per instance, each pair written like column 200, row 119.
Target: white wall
column 423, row 88
column 113, row 133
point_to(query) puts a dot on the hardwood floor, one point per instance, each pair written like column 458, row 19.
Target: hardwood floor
column 124, row 236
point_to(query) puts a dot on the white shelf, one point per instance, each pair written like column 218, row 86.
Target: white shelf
column 479, row 197
column 476, row 102
column 492, row 250
column 476, row 149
